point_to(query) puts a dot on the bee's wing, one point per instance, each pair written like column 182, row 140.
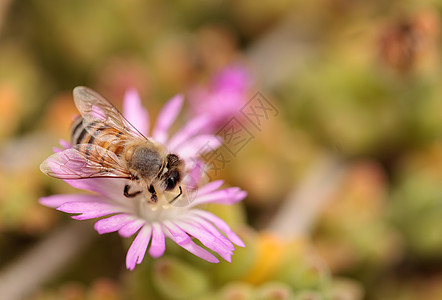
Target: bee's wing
column 189, row 187
column 93, row 107
column 186, row 199
column 84, row 161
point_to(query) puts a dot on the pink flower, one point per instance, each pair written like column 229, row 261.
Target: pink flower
column 152, row 223
column 224, row 98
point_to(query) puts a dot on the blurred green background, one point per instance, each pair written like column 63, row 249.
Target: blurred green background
column 357, row 85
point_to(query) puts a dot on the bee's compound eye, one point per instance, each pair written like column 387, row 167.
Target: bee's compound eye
column 171, row 183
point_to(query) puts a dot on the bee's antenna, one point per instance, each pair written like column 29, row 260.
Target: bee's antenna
column 177, row 196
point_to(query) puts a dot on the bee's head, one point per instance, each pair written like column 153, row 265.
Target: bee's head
column 173, row 172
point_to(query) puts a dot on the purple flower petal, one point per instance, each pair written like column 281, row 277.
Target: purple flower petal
column 192, row 128
column 234, row 77
column 56, row 149
column 134, row 112
column 220, row 224
column 182, row 239
column 55, row 201
column 130, row 228
column 65, row 144
column 209, row 227
column 207, row 239
column 227, row 196
column 199, row 145
column 113, row 223
column 241, row 195
column 137, row 250
column 224, row 97
column 89, row 210
column 210, row 187
column 166, row 117
column 158, row 245
column 179, row 236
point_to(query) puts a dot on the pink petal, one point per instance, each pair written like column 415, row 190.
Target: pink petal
column 210, row 187
column 134, row 111
column 209, row 227
column 227, row 196
column 158, row 244
column 224, row 98
column 207, row 239
column 65, row 144
column 220, row 224
column 130, row 228
column 198, row 145
column 233, row 77
column 89, row 210
column 113, row 223
column 179, row 236
column 182, row 239
column 56, row 149
column 238, row 197
column 55, row 201
column 192, row 128
column 137, row 250
column 199, row 100
column 166, row 117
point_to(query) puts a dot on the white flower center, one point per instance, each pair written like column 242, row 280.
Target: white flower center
column 157, row 212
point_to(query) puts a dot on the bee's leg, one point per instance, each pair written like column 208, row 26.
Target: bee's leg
column 154, row 197
column 177, row 196
column 126, row 192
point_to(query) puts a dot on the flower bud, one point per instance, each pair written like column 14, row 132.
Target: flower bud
column 237, row 291
column 175, row 279
column 274, row 291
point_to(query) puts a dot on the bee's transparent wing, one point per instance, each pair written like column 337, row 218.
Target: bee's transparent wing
column 95, row 108
column 84, row 161
column 189, row 186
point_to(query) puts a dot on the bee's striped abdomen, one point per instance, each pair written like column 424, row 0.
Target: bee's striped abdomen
column 99, row 134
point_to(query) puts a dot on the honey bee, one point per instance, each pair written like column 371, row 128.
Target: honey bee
column 106, row 145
